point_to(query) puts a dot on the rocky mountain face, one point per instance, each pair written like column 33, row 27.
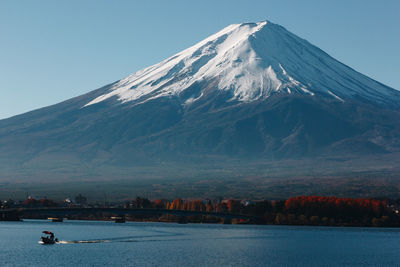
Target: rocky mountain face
column 252, row 92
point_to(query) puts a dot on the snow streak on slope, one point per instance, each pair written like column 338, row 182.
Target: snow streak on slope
column 251, row 61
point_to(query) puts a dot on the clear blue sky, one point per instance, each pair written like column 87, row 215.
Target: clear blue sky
column 54, row 50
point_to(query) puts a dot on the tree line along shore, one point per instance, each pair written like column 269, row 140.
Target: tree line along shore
column 299, row 210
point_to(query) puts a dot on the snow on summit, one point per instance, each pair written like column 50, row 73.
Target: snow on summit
column 251, row 61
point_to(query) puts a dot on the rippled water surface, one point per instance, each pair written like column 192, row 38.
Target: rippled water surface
column 85, row 243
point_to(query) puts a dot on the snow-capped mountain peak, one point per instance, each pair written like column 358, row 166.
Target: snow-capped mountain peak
column 251, row 61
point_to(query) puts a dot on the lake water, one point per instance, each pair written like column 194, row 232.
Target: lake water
column 87, row 243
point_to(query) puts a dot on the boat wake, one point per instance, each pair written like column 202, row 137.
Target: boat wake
column 136, row 238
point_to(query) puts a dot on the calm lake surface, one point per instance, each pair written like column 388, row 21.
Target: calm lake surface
column 87, row 243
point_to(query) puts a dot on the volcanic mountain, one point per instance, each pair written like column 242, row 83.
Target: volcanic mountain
column 253, row 92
